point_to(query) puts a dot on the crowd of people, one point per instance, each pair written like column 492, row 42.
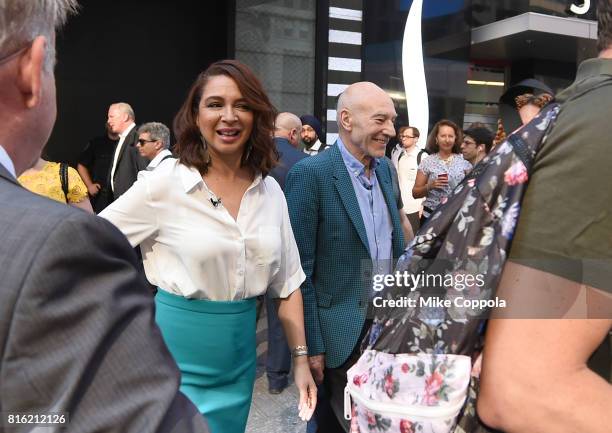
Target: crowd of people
column 143, row 318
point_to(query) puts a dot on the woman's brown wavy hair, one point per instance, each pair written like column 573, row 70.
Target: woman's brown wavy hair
column 432, row 145
column 539, row 101
column 260, row 153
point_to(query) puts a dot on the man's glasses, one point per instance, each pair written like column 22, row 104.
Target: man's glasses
column 142, row 141
column 407, row 136
column 469, row 142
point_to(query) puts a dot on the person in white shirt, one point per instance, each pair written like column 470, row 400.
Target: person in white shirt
column 406, row 160
column 153, row 143
column 215, row 233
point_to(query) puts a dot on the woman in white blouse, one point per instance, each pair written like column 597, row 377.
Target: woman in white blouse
column 215, row 233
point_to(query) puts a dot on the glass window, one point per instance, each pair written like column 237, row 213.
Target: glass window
column 485, row 87
column 284, row 64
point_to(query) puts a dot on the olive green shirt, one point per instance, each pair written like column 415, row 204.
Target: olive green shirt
column 565, row 226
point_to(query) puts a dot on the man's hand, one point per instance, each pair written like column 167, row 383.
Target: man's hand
column 94, row 189
column 317, row 365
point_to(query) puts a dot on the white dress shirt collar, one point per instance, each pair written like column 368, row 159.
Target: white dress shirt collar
column 317, row 145
column 158, row 159
column 127, row 131
column 191, row 177
column 7, row 162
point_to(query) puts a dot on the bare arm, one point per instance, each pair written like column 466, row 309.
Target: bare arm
column 422, row 186
column 406, row 228
column 83, row 204
column 420, row 189
column 303, row 202
column 291, row 315
column 92, row 188
column 537, row 368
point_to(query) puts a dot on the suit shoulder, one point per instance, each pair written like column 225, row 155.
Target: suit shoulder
column 39, row 218
column 320, row 163
column 16, row 200
column 386, row 165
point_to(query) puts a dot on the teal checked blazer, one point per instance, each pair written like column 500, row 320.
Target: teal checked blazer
column 334, row 252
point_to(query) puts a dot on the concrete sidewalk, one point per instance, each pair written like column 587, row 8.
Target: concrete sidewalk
column 272, row 413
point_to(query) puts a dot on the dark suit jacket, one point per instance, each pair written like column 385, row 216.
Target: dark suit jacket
column 129, row 164
column 289, row 155
column 77, row 330
column 334, row 251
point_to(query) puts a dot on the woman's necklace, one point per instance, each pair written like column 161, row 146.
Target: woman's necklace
column 447, row 160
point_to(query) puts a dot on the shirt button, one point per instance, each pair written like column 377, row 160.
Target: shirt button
column 240, row 272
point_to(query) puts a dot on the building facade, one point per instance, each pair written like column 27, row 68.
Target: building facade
column 436, row 59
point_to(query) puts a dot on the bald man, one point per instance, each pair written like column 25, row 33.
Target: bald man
column 347, row 227
column 287, row 128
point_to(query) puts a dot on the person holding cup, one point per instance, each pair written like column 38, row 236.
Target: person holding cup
column 443, row 170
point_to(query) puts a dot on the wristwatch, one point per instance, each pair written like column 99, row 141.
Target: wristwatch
column 299, row 351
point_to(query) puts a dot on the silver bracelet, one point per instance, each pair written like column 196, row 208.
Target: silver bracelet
column 299, row 351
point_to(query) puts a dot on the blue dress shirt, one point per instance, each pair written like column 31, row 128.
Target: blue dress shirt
column 6, row 161
column 374, row 211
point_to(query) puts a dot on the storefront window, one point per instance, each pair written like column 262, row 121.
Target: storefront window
column 276, row 38
column 485, row 87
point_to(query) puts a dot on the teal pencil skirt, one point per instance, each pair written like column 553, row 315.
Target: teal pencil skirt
column 213, row 343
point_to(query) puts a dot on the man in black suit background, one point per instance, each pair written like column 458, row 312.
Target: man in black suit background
column 94, row 167
column 127, row 162
column 77, row 332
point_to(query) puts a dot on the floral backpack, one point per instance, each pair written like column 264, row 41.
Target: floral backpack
column 416, row 368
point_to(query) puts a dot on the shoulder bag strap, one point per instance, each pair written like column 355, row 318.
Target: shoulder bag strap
column 63, row 171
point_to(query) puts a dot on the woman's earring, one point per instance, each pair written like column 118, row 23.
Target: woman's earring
column 205, row 148
column 248, row 151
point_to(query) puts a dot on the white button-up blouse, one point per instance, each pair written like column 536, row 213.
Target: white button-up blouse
column 194, row 248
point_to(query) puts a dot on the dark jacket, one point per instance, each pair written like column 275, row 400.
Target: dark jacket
column 333, row 243
column 77, row 328
column 289, row 155
column 129, row 164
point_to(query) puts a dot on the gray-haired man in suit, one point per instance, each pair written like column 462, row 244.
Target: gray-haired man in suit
column 77, row 335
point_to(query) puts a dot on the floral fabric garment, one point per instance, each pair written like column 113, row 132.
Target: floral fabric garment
column 420, row 392
column 458, row 256
column 433, row 166
column 47, row 182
